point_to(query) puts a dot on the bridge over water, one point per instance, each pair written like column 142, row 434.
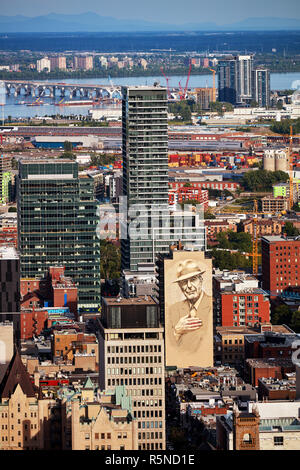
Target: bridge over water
column 53, row 89
column 62, row 89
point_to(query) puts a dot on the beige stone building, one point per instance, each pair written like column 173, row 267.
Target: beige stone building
column 94, row 420
column 25, row 422
column 131, row 353
column 276, row 426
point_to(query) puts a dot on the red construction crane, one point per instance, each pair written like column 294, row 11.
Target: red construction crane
column 183, row 92
column 167, row 80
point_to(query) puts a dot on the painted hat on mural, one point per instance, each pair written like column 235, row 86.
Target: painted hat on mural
column 187, row 269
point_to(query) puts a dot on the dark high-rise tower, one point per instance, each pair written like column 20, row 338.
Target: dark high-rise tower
column 261, row 87
column 57, row 224
column 235, row 79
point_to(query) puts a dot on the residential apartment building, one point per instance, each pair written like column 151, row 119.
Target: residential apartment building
column 58, row 62
column 261, row 87
column 43, row 64
column 238, row 301
column 235, row 79
column 280, row 260
column 150, row 226
column 84, row 62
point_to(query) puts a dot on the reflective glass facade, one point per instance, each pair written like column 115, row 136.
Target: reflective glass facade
column 57, row 225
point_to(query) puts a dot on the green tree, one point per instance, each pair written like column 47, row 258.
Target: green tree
column 209, row 215
column 290, row 230
column 110, row 260
column 262, row 180
column 281, row 315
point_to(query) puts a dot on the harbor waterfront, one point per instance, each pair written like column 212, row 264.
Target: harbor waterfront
column 26, row 107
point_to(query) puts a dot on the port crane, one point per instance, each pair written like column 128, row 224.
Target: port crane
column 183, row 92
column 214, row 84
column 167, row 80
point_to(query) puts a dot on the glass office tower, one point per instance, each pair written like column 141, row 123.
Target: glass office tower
column 57, row 225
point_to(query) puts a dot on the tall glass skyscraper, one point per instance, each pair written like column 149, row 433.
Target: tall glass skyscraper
column 261, row 87
column 235, row 79
column 57, row 225
column 145, row 180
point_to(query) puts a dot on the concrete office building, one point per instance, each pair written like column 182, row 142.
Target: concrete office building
column 57, row 224
column 131, row 353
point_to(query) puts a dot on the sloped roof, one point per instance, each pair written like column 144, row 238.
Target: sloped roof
column 88, row 384
column 15, row 374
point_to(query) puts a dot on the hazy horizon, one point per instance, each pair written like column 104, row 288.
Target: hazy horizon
column 169, row 11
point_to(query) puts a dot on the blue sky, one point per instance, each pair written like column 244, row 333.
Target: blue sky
column 167, row 11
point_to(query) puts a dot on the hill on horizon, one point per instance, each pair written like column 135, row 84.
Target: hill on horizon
column 92, row 22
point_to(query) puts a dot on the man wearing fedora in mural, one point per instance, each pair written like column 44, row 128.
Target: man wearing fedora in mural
column 190, row 320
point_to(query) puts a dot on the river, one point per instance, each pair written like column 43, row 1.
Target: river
column 279, row 81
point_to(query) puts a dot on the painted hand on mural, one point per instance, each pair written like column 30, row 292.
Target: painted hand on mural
column 186, row 324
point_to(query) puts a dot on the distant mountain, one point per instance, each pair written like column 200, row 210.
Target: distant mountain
column 91, row 22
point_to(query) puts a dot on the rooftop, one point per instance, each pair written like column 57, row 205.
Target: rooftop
column 270, row 362
column 278, row 238
column 8, row 252
column 246, row 330
column 141, row 299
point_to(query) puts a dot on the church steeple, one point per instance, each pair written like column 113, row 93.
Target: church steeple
column 15, row 374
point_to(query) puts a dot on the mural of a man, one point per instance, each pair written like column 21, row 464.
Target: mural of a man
column 190, row 320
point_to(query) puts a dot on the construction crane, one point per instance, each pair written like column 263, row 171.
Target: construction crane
column 183, row 92
column 214, row 84
column 290, row 154
column 167, row 80
column 255, row 240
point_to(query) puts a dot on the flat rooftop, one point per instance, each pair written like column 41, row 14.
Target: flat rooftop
column 278, row 238
column 138, row 300
column 261, row 363
column 8, row 252
column 247, row 330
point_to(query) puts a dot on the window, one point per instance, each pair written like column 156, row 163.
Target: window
column 278, row 441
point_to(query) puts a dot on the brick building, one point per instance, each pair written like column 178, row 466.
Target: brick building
column 275, row 389
column 238, row 301
column 40, row 296
column 212, row 227
column 247, row 307
column 270, row 344
column 190, row 193
column 267, row 368
column 66, row 344
column 220, row 185
column 280, row 259
column 263, row 227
